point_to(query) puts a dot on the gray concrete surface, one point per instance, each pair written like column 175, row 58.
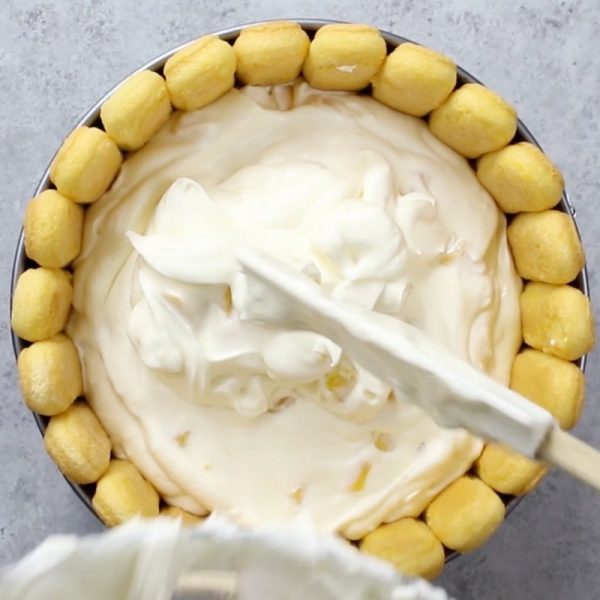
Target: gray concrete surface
column 57, row 57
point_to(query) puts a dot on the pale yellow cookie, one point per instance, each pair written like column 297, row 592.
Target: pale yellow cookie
column 507, row 471
column 41, row 303
column 474, row 120
column 53, row 226
column 270, row 53
column 50, row 375
column 409, row 545
column 557, row 319
column 136, row 110
column 122, row 493
column 465, row 514
column 344, row 57
column 85, row 165
column 555, row 384
column 545, row 247
column 200, row 73
column 78, row 444
column 521, row 178
column 414, row 79
column 187, row 519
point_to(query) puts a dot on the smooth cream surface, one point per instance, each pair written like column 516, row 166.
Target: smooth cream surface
column 269, row 424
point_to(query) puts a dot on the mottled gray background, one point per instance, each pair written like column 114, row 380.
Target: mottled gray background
column 58, row 57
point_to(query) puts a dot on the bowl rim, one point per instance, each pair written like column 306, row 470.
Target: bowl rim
column 229, row 34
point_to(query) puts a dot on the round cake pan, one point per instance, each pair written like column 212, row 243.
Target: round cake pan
column 92, row 118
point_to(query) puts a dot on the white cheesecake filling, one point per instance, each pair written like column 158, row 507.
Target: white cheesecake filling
column 268, row 424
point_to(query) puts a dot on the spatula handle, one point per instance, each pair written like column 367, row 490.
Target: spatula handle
column 563, row 450
column 212, row 585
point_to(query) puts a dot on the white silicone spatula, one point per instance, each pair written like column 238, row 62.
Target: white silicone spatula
column 453, row 392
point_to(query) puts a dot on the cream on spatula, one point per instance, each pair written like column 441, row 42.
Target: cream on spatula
column 453, row 392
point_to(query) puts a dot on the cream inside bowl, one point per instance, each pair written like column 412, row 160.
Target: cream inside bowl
column 267, row 424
